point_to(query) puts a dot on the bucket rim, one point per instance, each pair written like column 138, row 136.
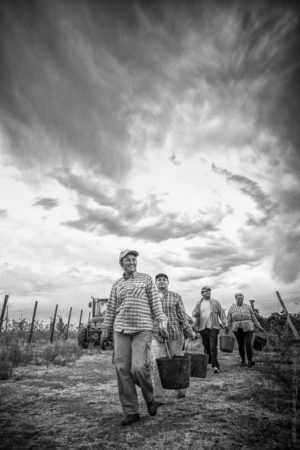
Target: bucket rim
column 260, row 338
column 173, row 358
column 226, row 336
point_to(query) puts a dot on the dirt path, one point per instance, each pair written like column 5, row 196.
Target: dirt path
column 77, row 407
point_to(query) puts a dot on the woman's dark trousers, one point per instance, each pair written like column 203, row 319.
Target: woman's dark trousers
column 244, row 340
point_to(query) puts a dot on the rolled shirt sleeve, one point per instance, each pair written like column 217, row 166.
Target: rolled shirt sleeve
column 183, row 318
column 196, row 310
column 110, row 312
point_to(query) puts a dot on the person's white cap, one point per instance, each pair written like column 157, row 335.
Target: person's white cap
column 126, row 252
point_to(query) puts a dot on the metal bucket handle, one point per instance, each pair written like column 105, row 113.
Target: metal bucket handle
column 264, row 332
column 167, row 348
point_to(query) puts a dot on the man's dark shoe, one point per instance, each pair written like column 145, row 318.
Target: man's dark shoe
column 243, row 364
column 251, row 363
column 130, row 419
column 152, row 408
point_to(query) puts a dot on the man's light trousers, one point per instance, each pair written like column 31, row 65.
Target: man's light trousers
column 132, row 358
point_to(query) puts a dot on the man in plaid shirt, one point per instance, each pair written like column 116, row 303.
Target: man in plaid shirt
column 131, row 308
column 178, row 322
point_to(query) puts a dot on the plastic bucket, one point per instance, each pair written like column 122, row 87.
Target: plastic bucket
column 259, row 343
column 198, row 365
column 174, row 372
column 226, row 343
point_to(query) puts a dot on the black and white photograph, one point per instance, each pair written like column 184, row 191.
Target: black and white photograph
column 149, row 224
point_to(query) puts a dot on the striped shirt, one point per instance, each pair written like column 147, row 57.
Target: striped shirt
column 174, row 309
column 241, row 317
column 133, row 304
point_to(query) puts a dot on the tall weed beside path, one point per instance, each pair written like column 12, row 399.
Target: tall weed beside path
column 5, row 365
column 10, row 358
column 281, row 361
column 15, row 354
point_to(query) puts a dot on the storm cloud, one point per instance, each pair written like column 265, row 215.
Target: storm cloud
column 119, row 212
column 95, row 83
column 168, row 126
column 213, row 259
column 252, row 190
column 46, row 203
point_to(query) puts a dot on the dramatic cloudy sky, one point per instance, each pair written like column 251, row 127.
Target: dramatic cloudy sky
column 170, row 127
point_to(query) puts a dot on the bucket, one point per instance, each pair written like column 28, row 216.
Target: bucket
column 198, row 365
column 174, row 372
column 226, row 343
column 259, row 342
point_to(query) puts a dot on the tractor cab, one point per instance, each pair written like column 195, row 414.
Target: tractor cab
column 98, row 306
column 91, row 334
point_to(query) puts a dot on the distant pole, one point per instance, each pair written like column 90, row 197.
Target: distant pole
column 32, row 322
column 3, row 311
column 288, row 319
column 67, row 332
column 53, row 324
column 89, row 316
column 6, row 320
column 80, row 319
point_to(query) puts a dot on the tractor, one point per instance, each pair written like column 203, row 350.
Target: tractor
column 91, row 334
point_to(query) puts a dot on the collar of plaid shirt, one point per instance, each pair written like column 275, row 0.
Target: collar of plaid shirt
column 164, row 292
column 132, row 275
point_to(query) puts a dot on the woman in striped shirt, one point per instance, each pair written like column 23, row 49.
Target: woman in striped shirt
column 241, row 319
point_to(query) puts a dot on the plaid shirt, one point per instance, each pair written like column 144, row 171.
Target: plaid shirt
column 133, row 304
column 173, row 308
column 241, row 317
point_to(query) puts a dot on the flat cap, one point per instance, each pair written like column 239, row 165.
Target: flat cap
column 161, row 275
column 205, row 288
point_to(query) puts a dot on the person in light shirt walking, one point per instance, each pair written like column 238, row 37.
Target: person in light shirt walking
column 209, row 314
column 133, row 304
column 241, row 319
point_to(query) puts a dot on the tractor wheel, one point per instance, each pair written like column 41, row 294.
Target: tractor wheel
column 82, row 338
column 107, row 345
